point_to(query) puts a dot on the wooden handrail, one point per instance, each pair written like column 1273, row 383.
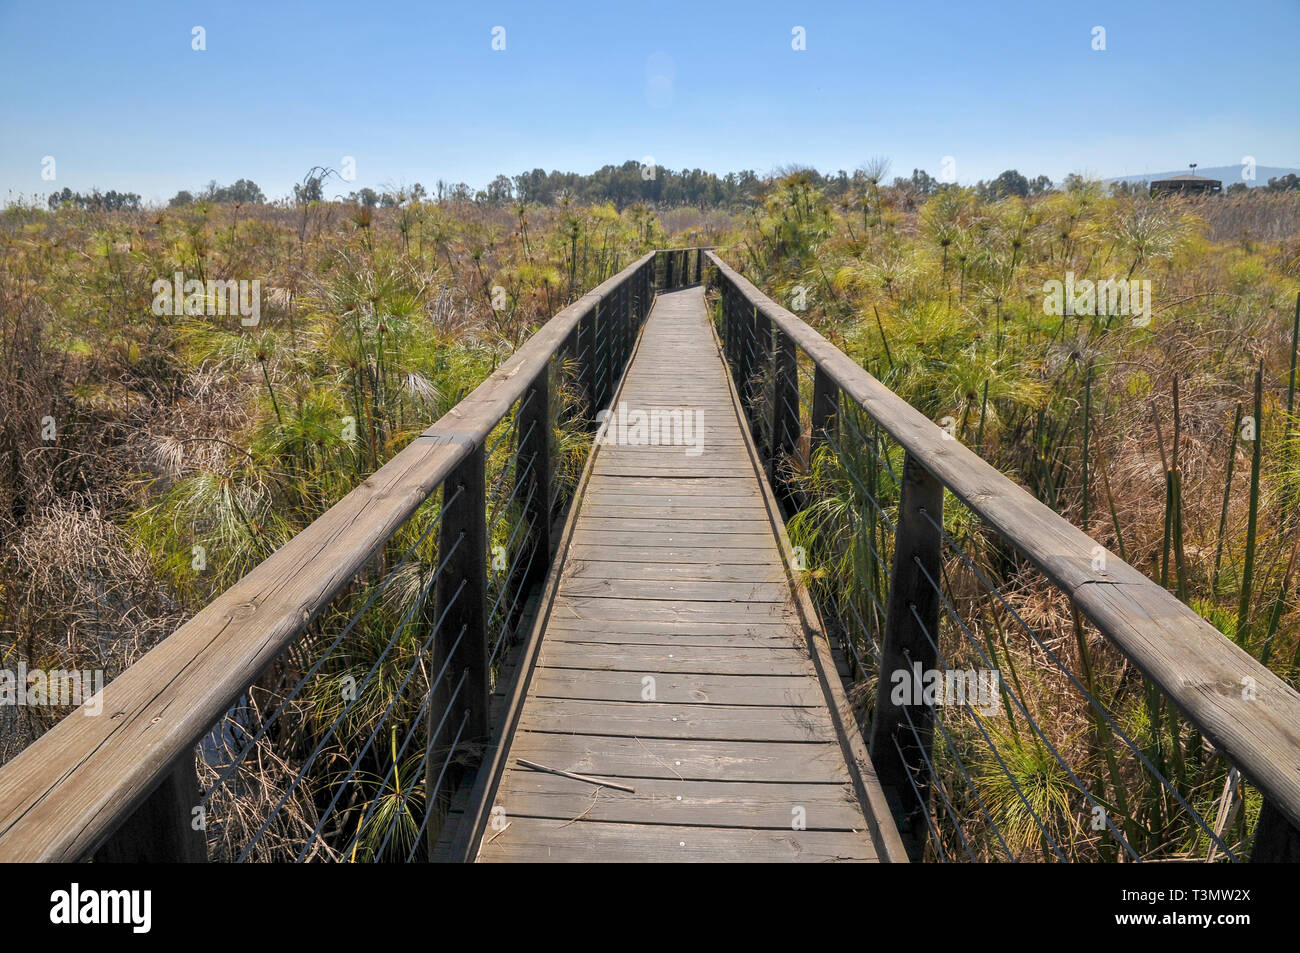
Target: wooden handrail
column 1244, row 709
column 66, row 793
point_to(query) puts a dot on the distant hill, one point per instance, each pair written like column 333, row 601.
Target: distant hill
column 1228, row 174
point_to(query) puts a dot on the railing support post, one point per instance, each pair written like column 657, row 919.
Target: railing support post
column 825, row 411
column 162, row 829
column 587, row 349
column 739, row 334
column 728, row 325
column 462, row 590
column 745, row 341
column 785, row 411
column 626, row 321
column 762, row 328
column 901, row 732
column 534, row 426
column 1277, row 841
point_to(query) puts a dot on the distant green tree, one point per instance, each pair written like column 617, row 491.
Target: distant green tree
column 110, row 201
column 1007, row 184
column 921, row 183
column 501, row 190
column 312, row 187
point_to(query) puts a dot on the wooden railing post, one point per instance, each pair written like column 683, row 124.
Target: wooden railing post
column 534, row 427
column 618, row 321
column 600, row 341
column 728, row 298
column 825, row 411
column 1277, row 841
column 627, row 319
column 163, row 828
column 762, row 328
column 744, row 347
column 785, row 411
column 462, row 590
column 587, row 348
column 901, row 734
column 746, row 342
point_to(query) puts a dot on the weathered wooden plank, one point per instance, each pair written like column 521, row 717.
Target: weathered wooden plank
column 702, row 448
column 662, row 553
column 673, row 687
column 681, row 482
column 570, row 607
column 722, row 660
column 670, row 629
column 611, row 757
column 672, row 571
column 547, row 840
column 628, row 465
column 821, row 807
column 752, row 541
column 671, row 510
column 685, row 721
column 668, row 525
column 696, row 590
column 609, row 464
column 777, row 637
column 677, row 483
column 669, row 499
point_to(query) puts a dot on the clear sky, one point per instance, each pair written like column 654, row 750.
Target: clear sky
column 415, row 92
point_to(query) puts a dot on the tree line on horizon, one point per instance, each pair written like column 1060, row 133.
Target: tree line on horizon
column 624, row 185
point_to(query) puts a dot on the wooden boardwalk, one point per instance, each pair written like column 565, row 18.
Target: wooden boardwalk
column 673, row 660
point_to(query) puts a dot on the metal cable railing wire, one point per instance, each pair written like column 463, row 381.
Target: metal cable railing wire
column 338, row 719
column 1088, row 696
column 744, row 359
column 356, row 617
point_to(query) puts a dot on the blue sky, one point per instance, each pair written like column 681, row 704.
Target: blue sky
column 415, row 92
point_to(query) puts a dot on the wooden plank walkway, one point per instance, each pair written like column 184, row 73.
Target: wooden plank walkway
column 673, row 660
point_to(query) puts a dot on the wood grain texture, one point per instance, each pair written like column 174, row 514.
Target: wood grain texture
column 548, row 840
column 826, row 807
column 673, row 657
